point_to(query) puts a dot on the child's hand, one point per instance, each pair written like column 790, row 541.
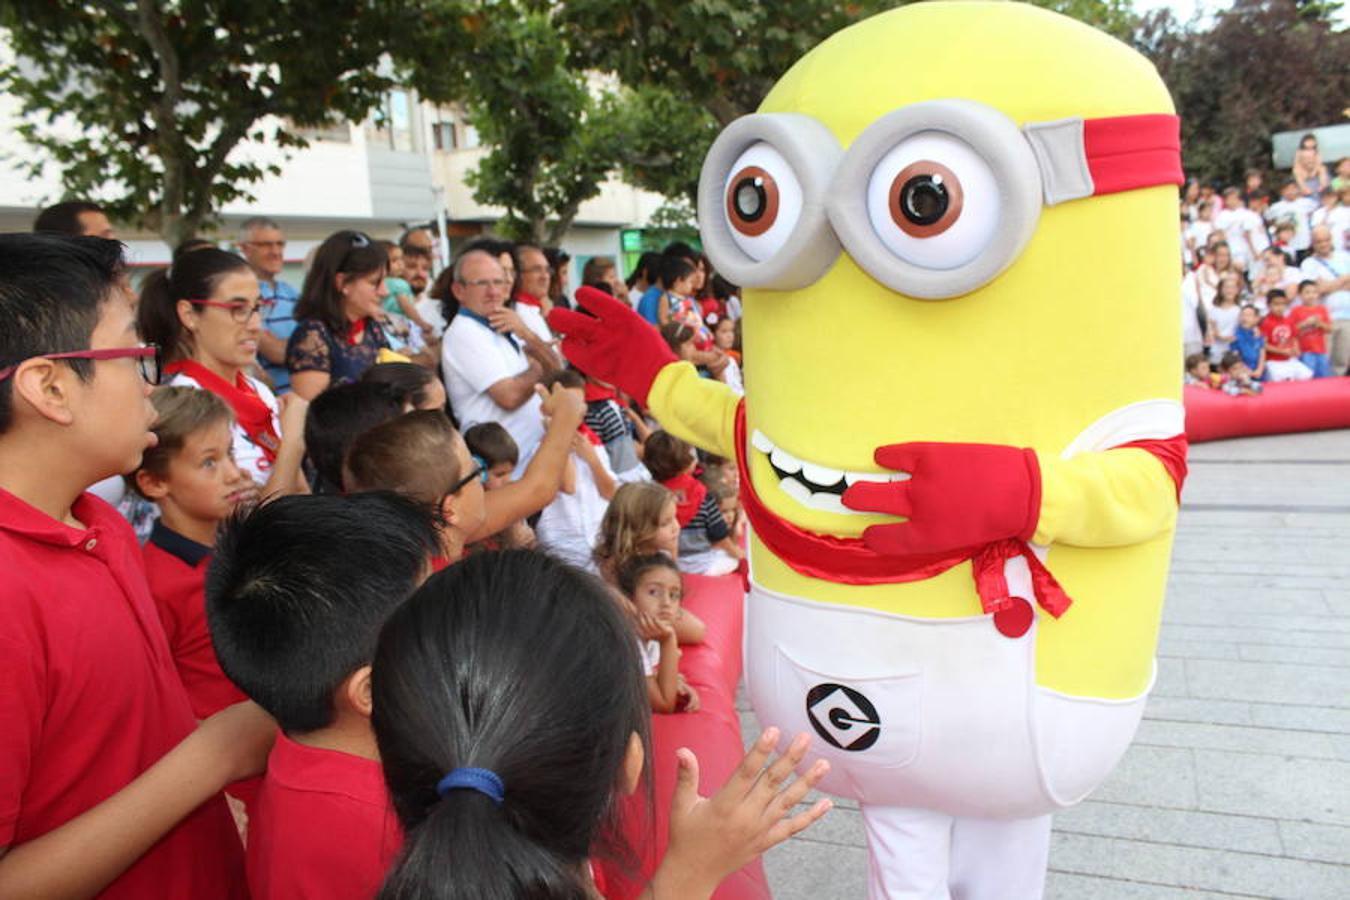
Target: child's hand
column 562, row 407
column 294, row 408
column 653, row 628
column 686, row 697
column 239, row 737
column 712, row 837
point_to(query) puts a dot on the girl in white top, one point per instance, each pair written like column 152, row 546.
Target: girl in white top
column 654, row 587
column 206, row 312
column 1223, row 315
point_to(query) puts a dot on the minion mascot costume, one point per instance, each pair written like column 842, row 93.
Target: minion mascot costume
column 961, row 443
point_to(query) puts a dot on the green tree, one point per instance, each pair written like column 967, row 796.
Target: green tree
column 142, row 103
column 1260, row 67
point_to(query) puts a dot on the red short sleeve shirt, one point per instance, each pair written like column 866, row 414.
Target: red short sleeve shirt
column 176, row 569
column 91, row 698
column 1311, row 340
column 290, row 856
column 1278, row 332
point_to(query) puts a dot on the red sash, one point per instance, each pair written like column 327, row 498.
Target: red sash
column 529, row 300
column 250, row 410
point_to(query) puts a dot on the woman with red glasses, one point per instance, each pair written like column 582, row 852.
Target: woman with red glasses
column 206, row 312
column 338, row 334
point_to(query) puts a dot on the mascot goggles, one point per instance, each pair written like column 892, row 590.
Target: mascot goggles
column 933, row 200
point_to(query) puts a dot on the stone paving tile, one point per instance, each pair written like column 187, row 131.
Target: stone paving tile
column 1068, row 886
column 1153, row 776
column 1325, row 843
column 1283, row 787
column 807, row 870
column 1309, row 744
column 1197, row 868
column 1166, row 826
column 1306, row 656
column 1307, row 718
column 1267, row 683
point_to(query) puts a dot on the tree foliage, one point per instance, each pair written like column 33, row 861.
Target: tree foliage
column 142, row 103
column 1261, row 67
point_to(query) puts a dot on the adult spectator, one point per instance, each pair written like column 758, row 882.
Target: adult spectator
column 490, row 359
column 77, row 218
column 417, row 272
column 337, row 332
column 1309, row 171
column 600, row 272
column 1330, row 268
column 419, row 237
column 264, row 246
column 1275, row 273
column 532, row 299
column 643, row 277
column 559, row 262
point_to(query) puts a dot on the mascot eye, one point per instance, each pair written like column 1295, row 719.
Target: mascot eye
column 763, row 201
column 933, row 201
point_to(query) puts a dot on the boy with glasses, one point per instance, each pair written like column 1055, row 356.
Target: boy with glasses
column 107, row 784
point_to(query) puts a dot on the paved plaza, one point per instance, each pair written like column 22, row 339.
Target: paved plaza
column 1238, row 782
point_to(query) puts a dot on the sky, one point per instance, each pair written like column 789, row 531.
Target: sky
column 1182, row 10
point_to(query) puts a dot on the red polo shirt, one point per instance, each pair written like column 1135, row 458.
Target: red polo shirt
column 91, row 698
column 175, row 566
column 1311, row 340
column 324, row 826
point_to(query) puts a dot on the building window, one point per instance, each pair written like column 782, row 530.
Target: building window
column 391, row 125
column 471, row 138
column 443, row 134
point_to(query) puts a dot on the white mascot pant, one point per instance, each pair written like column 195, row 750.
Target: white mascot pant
column 938, row 728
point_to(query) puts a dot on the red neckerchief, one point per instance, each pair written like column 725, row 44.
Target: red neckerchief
column 529, row 300
column 250, row 411
column 356, row 332
column 590, row 435
column 596, row 391
column 850, row 561
column 689, row 493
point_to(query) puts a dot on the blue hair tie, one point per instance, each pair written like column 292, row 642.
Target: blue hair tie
column 484, row 781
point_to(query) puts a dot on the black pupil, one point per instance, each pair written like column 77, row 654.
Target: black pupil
column 923, row 199
column 750, row 198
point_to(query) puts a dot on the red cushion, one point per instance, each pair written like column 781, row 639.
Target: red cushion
column 1281, row 408
column 713, row 733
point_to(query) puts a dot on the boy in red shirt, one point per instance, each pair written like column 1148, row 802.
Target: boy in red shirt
column 1312, row 321
column 1282, row 362
column 295, row 600
column 106, row 782
column 191, row 476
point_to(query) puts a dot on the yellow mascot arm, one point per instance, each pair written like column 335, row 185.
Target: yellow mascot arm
column 1110, row 498
column 698, row 410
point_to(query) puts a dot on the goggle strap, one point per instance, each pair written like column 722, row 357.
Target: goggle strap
column 1089, row 157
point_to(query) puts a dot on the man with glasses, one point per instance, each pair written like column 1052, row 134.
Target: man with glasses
column 491, row 375
column 264, row 246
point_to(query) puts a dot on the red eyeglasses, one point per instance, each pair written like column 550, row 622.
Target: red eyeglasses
column 240, row 312
column 147, row 358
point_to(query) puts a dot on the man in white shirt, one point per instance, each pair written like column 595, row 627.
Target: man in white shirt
column 1330, row 268
column 490, row 360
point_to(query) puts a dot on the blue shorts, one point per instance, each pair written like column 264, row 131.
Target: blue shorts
column 1320, row 363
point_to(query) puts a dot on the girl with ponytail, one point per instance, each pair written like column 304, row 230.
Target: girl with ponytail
column 511, row 717
column 206, row 313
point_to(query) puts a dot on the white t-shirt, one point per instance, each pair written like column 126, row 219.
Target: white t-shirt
column 1297, row 211
column 1244, row 231
column 473, row 359
column 433, row 314
column 1190, row 301
column 534, row 320
column 651, row 656
column 247, row 455
column 1338, row 220
column 1318, row 269
column 569, row 526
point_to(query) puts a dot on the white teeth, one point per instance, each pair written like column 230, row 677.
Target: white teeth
column 785, row 461
column 829, row 503
column 821, row 475
column 762, row 444
column 796, row 490
column 853, row 478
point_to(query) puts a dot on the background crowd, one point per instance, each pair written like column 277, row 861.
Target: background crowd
column 1266, row 283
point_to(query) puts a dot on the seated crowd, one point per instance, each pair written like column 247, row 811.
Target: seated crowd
column 1266, row 281
column 312, row 475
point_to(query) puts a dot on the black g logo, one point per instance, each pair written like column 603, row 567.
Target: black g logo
column 843, row 717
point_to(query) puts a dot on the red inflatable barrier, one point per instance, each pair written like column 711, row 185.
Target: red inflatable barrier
column 1283, row 408
column 713, row 733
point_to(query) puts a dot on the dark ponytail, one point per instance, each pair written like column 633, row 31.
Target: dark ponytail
column 516, row 663
column 194, row 275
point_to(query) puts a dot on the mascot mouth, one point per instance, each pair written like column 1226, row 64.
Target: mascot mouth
column 813, row 485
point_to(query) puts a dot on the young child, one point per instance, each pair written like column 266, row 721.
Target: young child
column 1198, row 371
column 568, row 526
column 1223, row 315
column 1281, row 344
column 295, row 600
column 401, row 300
column 706, row 547
column 724, row 339
column 1312, row 323
column 1237, row 378
column 725, row 490
column 191, row 475
column 493, row 444
column 1248, row 340
column 334, row 420
column 516, row 644
column 653, row 586
column 107, row 784
column 605, row 416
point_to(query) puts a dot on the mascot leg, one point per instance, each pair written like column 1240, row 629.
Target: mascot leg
column 918, row 854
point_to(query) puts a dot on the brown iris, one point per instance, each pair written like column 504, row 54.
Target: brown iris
column 752, row 201
column 925, row 199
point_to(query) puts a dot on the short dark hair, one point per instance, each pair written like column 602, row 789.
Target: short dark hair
column 676, row 334
column 646, row 267
column 298, row 590
column 350, row 253
column 672, row 269
column 409, row 380
column 1306, row 283
column 52, row 289
column 1276, row 292
column 415, row 250
column 680, row 250
column 1194, row 360
column 513, row 662
column 568, row 378
column 1230, row 359
column 194, row 275
column 492, row 443
column 64, row 217
column 336, row 417
column 412, row 455
column 665, row 455
column 632, row 570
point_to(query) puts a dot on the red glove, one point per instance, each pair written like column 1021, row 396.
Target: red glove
column 958, row 496
column 617, row 346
